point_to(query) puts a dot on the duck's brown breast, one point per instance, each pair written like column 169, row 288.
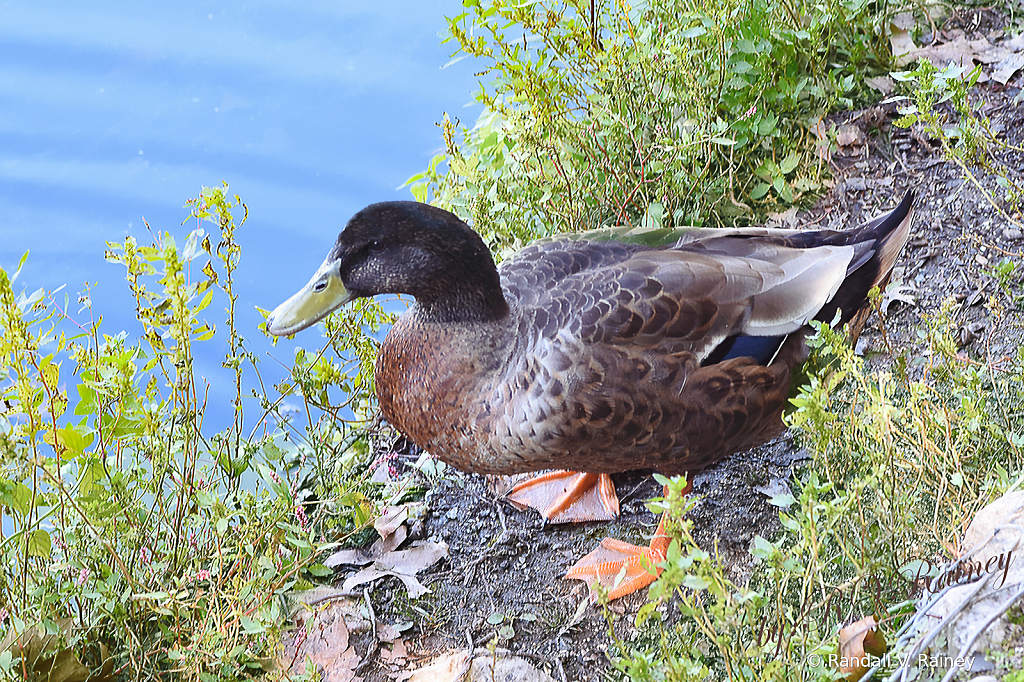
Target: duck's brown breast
column 434, row 383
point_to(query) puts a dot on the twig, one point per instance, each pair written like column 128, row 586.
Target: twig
column 369, row 607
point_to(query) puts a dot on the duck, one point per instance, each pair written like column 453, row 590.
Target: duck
column 594, row 353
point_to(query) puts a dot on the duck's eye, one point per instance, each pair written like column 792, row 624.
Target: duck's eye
column 376, row 246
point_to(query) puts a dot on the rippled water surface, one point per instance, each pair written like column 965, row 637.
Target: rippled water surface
column 114, row 111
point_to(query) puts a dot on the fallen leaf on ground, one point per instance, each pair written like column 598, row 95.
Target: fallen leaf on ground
column 785, row 218
column 393, row 532
column 389, row 633
column 899, row 35
column 353, row 608
column 897, row 291
column 1006, row 58
column 397, row 653
column 322, row 638
column 859, row 643
column 883, row 84
column 850, row 136
column 44, row 655
column 404, row 565
column 361, row 556
column 393, row 517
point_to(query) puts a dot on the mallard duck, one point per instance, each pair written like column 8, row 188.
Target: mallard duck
column 593, row 353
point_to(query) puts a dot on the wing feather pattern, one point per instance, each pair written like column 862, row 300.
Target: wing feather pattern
column 682, row 299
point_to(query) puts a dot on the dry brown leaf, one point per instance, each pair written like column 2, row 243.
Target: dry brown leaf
column 393, row 532
column 447, row 668
column 785, row 218
column 860, row 643
column 64, row 667
column 389, row 633
column 883, row 84
column 398, row 652
column 404, row 565
column 904, row 21
column 850, row 136
column 899, row 35
column 361, row 556
column 39, row 650
column 352, row 608
column 393, row 517
column 322, row 638
column 1007, row 57
column 1004, row 70
column 898, row 291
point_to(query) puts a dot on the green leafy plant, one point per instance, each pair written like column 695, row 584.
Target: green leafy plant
column 902, row 459
column 660, row 112
column 139, row 541
column 943, row 105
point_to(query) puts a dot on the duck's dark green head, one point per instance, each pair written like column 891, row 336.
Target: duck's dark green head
column 400, row 247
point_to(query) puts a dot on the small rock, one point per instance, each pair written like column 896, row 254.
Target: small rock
column 980, row 260
column 453, row 513
column 971, row 610
column 1012, row 233
column 849, row 135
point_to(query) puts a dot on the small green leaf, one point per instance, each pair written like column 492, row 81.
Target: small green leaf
column 16, row 496
column 789, row 163
column 762, row 548
column 39, row 543
column 251, row 627
column 695, row 582
column 784, row 500
column 646, row 611
column 75, row 439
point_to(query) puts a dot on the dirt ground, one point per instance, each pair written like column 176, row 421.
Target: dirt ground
column 504, row 561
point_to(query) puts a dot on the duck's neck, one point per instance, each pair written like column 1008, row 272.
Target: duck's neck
column 469, row 294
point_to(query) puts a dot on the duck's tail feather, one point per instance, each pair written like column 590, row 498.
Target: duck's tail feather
column 893, row 230
column 879, row 243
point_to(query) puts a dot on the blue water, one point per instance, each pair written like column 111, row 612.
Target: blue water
column 111, row 112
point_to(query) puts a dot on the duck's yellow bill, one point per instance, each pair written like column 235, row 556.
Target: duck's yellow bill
column 324, row 293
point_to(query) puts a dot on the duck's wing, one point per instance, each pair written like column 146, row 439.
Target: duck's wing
column 682, row 299
column 704, row 286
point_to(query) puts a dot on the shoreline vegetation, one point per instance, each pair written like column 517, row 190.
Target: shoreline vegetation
column 140, row 544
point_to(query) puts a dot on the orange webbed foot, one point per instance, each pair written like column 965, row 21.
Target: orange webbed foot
column 568, row 496
column 637, row 566
column 621, row 567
